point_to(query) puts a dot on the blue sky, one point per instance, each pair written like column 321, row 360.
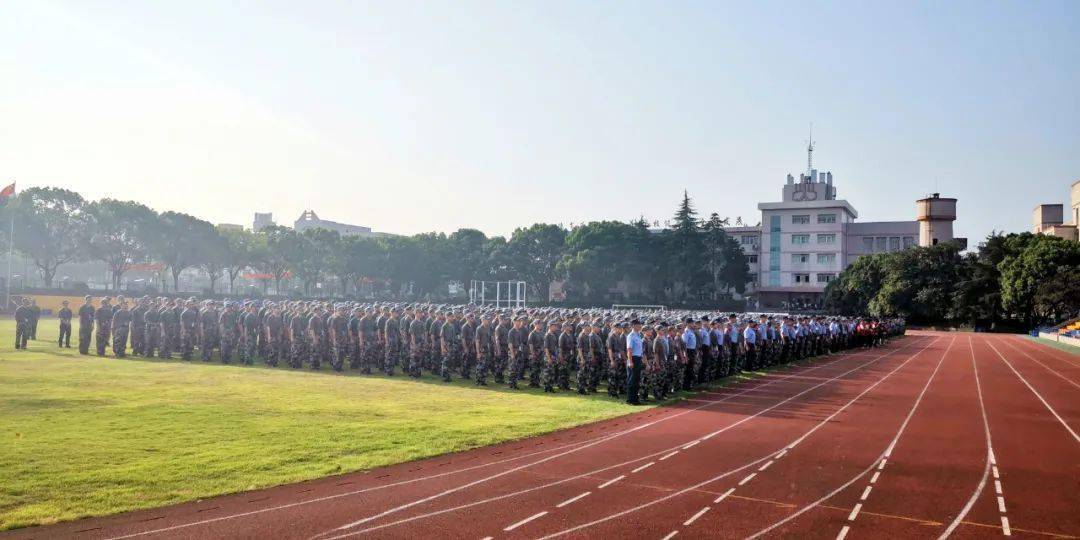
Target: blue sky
column 417, row 116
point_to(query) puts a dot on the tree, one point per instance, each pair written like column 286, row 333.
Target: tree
column 467, row 252
column 218, row 256
column 280, row 243
column 597, row 258
column 51, row 225
column 686, row 248
column 182, row 241
column 310, row 260
column 357, row 258
column 122, row 234
column 725, row 260
column 533, row 253
column 1023, row 272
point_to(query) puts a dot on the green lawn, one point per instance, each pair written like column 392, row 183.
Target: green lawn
column 85, row 436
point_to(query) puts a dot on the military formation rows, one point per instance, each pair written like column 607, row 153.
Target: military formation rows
column 664, row 353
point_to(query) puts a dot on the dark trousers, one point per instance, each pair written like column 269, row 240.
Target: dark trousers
column 22, row 333
column 633, row 380
column 85, row 331
column 65, row 335
column 690, row 374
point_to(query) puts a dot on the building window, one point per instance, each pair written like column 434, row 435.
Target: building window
column 879, row 244
column 909, row 241
column 801, row 219
column 800, row 239
column 825, row 278
column 748, row 240
column 802, row 278
column 752, row 259
column 894, row 243
column 826, row 218
column 868, row 244
column 826, row 258
column 800, row 258
column 826, row 238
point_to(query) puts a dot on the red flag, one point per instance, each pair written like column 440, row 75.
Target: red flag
column 6, row 193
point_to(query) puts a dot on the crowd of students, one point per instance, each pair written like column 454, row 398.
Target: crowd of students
column 640, row 355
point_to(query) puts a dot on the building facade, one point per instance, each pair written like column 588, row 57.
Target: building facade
column 807, row 238
column 1052, row 219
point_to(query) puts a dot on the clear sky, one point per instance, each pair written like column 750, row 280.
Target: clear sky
column 409, row 117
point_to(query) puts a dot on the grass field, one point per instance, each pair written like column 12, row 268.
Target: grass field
column 85, row 436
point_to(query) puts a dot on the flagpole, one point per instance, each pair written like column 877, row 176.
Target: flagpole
column 11, row 255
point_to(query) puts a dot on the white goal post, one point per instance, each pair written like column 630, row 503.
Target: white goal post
column 643, row 307
column 508, row 294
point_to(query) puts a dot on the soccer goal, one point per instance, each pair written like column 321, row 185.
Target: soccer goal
column 508, row 294
column 640, row 307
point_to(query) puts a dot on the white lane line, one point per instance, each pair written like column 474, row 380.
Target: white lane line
column 866, row 493
column 882, row 466
column 766, row 465
column 1005, row 526
column 550, row 458
column 695, row 516
column 526, row 520
column 888, row 451
column 612, row 481
column 799, row 439
column 874, row 478
column 1001, row 504
column 670, row 535
column 854, row 512
column 573, row 499
column 843, row 533
column 1060, row 355
column 724, row 495
column 643, row 467
column 997, row 487
column 781, row 454
column 691, row 445
column 669, row 455
column 927, row 343
column 1048, row 368
column 990, row 459
column 488, row 538
column 748, row 478
column 1037, row 394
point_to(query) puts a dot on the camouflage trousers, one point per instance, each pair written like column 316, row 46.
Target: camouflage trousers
column 468, row 361
column 101, row 339
column 584, row 374
column 297, row 352
column 228, row 346
column 206, row 346
column 498, row 364
column 137, row 336
column 339, row 352
column 616, row 376
column 433, row 359
column 417, row 357
column 536, row 370
column 450, row 361
column 119, row 341
column 556, row 373
column 315, row 352
column 390, row 359
column 249, row 347
column 484, row 359
column 356, row 353
column 170, row 340
column 517, row 367
column 274, row 350
column 652, row 382
column 675, row 377
column 187, row 344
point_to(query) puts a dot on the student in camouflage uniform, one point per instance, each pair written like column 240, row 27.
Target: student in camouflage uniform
column 138, row 326
column 392, row 339
column 501, row 338
column 451, row 346
column 249, row 323
column 298, row 337
column 468, row 345
column 369, row 341
column 616, row 351
column 338, row 332
column 418, row 349
column 516, row 338
column 189, row 329
column 434, row 342
column 121, row 325
column 585, row 359
column 316, row 329
column 551, row 356
column 485, row 350
column 103, row 318
column 86, row 324
column 272, row 332
column 355, row 351
column 567, row 342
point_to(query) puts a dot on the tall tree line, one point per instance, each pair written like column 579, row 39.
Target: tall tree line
column 692, row 260
column 1013, row 279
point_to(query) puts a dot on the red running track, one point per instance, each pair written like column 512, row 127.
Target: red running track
column 934, row 435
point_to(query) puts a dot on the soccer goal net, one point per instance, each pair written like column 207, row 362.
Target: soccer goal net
column 508, row 294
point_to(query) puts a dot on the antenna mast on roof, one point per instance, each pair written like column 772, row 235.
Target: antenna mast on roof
column 810, row 151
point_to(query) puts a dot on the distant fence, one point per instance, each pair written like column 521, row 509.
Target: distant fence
column 1060, row 339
